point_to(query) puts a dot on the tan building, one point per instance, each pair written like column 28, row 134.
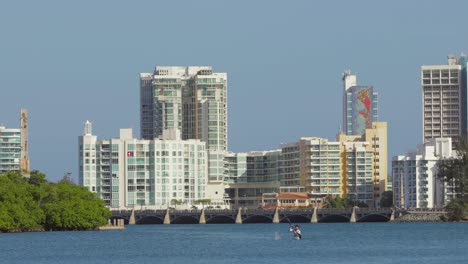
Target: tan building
column 375, row 140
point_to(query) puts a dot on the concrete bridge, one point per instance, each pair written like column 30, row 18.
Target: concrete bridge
column 240, row 216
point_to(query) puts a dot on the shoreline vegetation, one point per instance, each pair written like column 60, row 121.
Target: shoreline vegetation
column 34, row 205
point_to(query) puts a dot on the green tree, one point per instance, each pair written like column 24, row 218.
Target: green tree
column 454, row 172
column 387, row 199
column 203, row 201
column 339, row 202
column 33, row 203
column 18, row 208
column 176, row 202
column 456, row 209
column 71, row 207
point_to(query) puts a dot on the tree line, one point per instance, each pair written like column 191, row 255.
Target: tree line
column 30, row 204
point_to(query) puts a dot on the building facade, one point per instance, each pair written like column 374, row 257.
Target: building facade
column 14, row 147
column 249, row 175
column 128, row 172
column 444, row 100
column 360, row 106
column 415, row 182
column 192, row 100
column 10, row 149
column 352, row 166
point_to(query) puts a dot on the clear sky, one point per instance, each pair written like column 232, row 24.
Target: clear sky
column 69, row 61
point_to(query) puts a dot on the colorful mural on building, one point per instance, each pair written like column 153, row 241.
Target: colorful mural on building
column 362, row 108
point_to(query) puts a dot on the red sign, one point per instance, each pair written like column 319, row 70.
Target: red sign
column 129, row 153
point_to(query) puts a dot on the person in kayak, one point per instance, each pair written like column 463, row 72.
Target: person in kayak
column 297, row 232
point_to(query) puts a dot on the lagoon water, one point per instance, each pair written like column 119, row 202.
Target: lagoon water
column 247, row 243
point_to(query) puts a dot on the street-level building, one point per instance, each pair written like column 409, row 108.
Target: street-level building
column 249, row 175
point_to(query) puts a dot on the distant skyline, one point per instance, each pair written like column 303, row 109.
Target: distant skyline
column 76, row 61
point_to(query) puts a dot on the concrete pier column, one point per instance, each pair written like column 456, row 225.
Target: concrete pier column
column 276, row 217
column 239, row 216
column 202, row 217
column 392, row 216
column 314, row 219
column 109, row 222
column 167, row 218
column 132, row 221
column 353, row 215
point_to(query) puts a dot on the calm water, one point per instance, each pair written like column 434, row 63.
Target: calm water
column 248, row 243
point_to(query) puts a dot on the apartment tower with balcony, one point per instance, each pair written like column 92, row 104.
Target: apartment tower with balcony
column 444, row 100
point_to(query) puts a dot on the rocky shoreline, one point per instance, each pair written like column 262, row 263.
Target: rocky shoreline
column 414, row 218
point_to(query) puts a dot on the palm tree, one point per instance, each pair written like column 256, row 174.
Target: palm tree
column 176, row 202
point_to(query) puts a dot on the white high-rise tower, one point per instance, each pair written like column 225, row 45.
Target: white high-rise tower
column 192, row 100
column 444, row 100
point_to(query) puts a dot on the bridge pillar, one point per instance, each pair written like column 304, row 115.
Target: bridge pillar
column 276, row 217
column 202, row 217
column 314, row 219
column 392, row 216
column 131, row 220
column 353, row 215
column 167, row 218
column 239, row 216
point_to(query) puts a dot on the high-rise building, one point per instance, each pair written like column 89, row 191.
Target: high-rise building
column 192, row 100
column 14, row 155
column 415, row 182
column 360, row 106
column 10, row 149
column 444, row 100
column 375, row 139
column 127, row 172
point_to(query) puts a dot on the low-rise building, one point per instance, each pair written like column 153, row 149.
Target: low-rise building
column 249, row 175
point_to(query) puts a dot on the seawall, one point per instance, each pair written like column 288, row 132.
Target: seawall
column 419, row 217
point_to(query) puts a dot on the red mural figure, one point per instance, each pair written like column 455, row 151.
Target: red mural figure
column 364, row 97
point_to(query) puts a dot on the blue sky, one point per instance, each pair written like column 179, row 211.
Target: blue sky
column 67, row 62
